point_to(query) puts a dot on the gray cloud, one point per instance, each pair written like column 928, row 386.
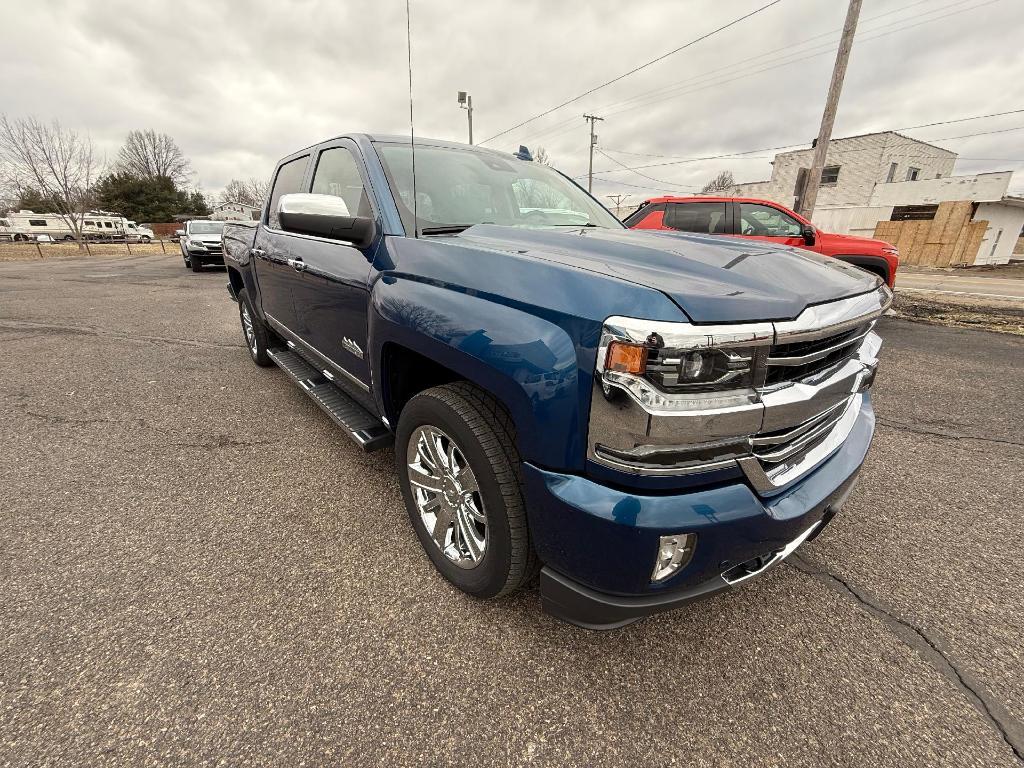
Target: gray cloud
column 240, row 84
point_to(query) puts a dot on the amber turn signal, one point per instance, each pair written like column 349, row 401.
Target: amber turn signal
column 626, row 358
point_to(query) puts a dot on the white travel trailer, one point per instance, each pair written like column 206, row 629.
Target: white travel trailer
column 97, row 225
column 103, row 225
column 25, row 225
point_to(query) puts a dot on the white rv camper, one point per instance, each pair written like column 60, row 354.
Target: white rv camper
column 97, row 225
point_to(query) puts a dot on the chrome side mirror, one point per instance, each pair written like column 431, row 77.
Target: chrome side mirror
column 324, row 216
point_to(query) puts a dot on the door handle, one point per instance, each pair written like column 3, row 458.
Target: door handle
column 259, row 253
column 297, row 264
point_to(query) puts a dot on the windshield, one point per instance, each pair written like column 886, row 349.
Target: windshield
column 456, row 188
column 205, row 227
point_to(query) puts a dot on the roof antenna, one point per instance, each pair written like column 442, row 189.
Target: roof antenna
column 412, row 130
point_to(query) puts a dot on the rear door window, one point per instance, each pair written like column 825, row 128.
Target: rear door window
column 288, row 180
column 705, row 218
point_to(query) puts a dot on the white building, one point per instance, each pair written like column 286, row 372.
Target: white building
column 232, row 211
column 890, row 177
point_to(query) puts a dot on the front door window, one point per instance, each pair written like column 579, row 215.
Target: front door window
column 757, row 220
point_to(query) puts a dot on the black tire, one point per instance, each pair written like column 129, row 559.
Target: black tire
column 196, row 264
column 259, row 343
column 484, row 434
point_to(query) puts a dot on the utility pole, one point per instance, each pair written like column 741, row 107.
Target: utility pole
column 466, row 103
column 617, row 200
column 593, row 140
column 811, row 184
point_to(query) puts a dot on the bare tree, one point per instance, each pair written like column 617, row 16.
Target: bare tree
column 56, row 161
column 148, row 154
column 541, row 156
column 252, row 192
column 720, row 183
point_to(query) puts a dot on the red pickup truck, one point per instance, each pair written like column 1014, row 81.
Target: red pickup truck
column 763, row 220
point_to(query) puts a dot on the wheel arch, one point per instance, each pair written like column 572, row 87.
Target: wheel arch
column 422, row 335
column 875, row 264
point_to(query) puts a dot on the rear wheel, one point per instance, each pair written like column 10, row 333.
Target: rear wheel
column 255, row 333
column 459, row 471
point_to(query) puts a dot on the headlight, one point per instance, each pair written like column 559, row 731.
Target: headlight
column 891, row 251
column 651, row 359
column 197, row 244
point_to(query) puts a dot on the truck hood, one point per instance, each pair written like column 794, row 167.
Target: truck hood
column 207, row 238
column 712, row 279
column 839, row 245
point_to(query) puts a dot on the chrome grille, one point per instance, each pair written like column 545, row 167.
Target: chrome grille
column 786, row 444
column 798, row 360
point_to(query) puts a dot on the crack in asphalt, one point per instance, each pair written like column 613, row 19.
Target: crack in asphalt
column 53, row 418
column 1011, row 729
column 214, row 443
column 903, row 427
column 71, row 330
column 222, row 441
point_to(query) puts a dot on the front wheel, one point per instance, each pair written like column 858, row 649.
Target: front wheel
column 195, row 263
column 459, row 471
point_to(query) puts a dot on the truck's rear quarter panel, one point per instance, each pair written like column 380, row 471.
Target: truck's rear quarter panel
column 239, row 237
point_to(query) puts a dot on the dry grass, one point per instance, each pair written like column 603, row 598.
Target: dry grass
column 982, row 312
column 30, row 251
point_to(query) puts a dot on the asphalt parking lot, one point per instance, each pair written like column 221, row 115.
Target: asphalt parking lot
column 197, row 567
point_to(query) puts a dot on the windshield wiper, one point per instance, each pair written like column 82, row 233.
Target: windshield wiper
column 449, row 229
column 588, row 224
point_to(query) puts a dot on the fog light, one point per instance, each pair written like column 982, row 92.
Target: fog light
column 674, row 552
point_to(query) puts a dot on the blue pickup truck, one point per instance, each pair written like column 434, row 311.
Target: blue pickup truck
column 639, row 419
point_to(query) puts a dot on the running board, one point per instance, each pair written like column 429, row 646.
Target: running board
column 362, row 426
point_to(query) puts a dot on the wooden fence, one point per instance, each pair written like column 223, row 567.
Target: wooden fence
column 950, row 238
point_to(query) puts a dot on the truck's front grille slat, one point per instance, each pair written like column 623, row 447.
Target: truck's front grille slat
column 789, row 362
column 784, row 445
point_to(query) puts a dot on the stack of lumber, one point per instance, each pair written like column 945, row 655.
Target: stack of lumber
column 950, row 238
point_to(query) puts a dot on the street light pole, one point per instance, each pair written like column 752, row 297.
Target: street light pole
column 593, row 140
column 810, row 192
column 466, row 103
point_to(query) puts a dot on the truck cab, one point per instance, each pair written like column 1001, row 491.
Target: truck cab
column 767, row 221
column 640, row 419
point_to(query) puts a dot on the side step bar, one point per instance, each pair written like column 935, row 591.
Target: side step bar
column 362, row 426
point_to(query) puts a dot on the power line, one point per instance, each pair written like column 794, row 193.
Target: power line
column 660, row 181
column 788, row 146
column 789, row 52
column 677, row 90
column 829, row 48
column 982, row 133
column 635, row 69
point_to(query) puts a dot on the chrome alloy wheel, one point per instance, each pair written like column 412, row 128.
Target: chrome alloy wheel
column 447, row 496
column 250, row 332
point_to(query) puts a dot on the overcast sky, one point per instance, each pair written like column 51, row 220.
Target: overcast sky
column 240, row 84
